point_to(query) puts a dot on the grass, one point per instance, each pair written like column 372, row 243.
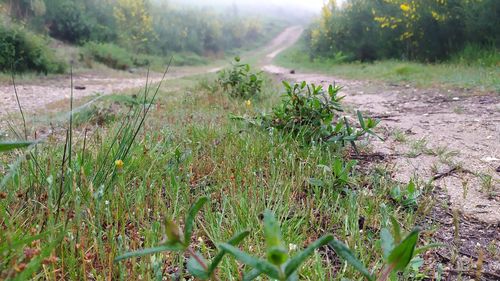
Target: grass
column 77, row 216
column 466, row 73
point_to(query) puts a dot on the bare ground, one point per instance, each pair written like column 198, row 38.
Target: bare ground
column 448, row 138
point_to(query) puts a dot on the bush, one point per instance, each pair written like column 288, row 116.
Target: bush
column 109, row 54
column 240, row 81
column 23, row 51
column 309, row 113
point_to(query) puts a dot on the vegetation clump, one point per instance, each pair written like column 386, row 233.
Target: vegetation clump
column 21, row 51
column 240, row 81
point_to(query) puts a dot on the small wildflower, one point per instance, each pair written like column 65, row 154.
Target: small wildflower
column 248, row 103
column 293, row 247
column 106, row 202
column 119, row 164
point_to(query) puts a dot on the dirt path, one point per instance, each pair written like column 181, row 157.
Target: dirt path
column 451, row 136
column 448, row 138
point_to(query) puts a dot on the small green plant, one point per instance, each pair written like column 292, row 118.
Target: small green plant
column 177, row 242
column 240, row 81
column 279, row 265
column 398, row 253
column 312, row 114
column 407, row 197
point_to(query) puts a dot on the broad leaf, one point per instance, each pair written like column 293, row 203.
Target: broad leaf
column 349, row 257
column 402, row 254
column 387, row 242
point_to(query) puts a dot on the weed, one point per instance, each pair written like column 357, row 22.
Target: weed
column 311, row 115
column 240, row 81
column 400, row 136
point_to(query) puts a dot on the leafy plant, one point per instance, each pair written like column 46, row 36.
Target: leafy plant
column 312, row 114
column 197, row 265
column 279, row 265
column 240, row 81
column 398, row 253
column 407, row 197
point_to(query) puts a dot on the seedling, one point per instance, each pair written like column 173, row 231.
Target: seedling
column 197, row 265
column 279, row 265
column 398, row 253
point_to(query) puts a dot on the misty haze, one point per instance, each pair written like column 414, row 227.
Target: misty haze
column 249, row 140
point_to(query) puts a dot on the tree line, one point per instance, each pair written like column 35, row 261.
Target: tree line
column 424, row 30
column 139, row 25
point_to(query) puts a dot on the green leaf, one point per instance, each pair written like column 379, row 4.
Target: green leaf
column 6, row 146
column 276, row 253
column 425, row 248
column 188, row 230
column 235, row 240
column 300, row 258
column 396, row 230
column 150, row 251
column 402, row 254
column 349, row 257
column 387, row 242
column 261, row 265
column 251, row 275
column 361, row 120
column 195, row 268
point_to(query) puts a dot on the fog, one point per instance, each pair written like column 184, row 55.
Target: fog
column 305, row 5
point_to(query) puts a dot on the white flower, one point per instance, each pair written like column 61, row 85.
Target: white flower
column 292, row 247
column 106, row 202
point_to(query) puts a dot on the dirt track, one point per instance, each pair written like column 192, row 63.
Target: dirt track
column 450, row 135
column 449, row 138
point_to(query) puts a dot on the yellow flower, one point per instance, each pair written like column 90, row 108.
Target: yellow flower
column 248, row 103
column 405, row 7
column 119, row 164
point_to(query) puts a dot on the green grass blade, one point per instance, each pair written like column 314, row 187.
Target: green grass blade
column 188, row 230
column 148, row 251
column 6, row 146
column 300, row 258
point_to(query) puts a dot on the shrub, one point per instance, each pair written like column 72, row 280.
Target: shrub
column 109, row 54
column 312, row 114
column 23, row 51
column 239, row 81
